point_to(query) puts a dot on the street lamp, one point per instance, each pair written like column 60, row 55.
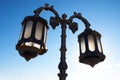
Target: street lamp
column 33, row 36
column 90, row 47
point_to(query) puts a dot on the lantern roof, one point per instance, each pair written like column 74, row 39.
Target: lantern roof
column 34, row 18
column 87, row 32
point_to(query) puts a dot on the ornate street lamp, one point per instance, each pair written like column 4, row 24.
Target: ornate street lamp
column 33, row 37
column 90, row 47
column 34, row 32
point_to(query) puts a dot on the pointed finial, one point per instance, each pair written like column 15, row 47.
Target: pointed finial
column 27, row 59
column 64, row 16
column 75, row 13
column 46, row 5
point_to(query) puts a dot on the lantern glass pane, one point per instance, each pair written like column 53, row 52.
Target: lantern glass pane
column 28, row 29
column 21, row 32
column 36, row 45
column 82, row 45
column 32, row 44
column 29, row 43
column 39, row 29
column 99, row 44
column 91, row 43
column 45, row 34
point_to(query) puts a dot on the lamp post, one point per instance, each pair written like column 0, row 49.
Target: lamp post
column 33, row 36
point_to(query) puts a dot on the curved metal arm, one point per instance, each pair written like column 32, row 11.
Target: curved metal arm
column 46, row 7
column 54, row 21
column 79, row 16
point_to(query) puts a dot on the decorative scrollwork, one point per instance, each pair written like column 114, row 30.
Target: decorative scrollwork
column 46, row 7
column 79, row 16
column 73, row 27
column 54, row 21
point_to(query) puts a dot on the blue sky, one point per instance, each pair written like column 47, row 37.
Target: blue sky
column 103, row 16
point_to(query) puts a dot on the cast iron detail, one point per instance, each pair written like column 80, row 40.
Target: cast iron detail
column 54, row 21
column 73, row 26
column 63, row 21
column 47, row 7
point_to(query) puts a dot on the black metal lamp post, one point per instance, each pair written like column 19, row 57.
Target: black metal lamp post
column 32, row 40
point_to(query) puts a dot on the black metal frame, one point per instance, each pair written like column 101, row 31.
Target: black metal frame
column 54, row 22
column 29, row 52
column 90, row 57
column 63, row 21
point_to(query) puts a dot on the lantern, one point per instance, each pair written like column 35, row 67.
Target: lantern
column 91, row 51
column 33, row 37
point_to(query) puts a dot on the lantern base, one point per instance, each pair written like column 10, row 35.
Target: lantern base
column 92, row 59
column 29, row 52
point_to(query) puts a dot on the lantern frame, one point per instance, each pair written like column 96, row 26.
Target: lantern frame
column 90, row 57
column 30, row 47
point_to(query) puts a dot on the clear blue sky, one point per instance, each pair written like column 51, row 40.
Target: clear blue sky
column 104, row 16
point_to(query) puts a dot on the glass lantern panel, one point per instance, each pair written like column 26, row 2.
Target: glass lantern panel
column 28, row 29
column 99, row 44
column 21, row 31
column 45, row 34
column 39, row 29
column 32, row 44
column 36, row 45
column 82, row 45
column 91, row 43
column 29, row 43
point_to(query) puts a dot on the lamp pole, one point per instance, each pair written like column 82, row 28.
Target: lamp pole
column 29, row 48
column 63, row 65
